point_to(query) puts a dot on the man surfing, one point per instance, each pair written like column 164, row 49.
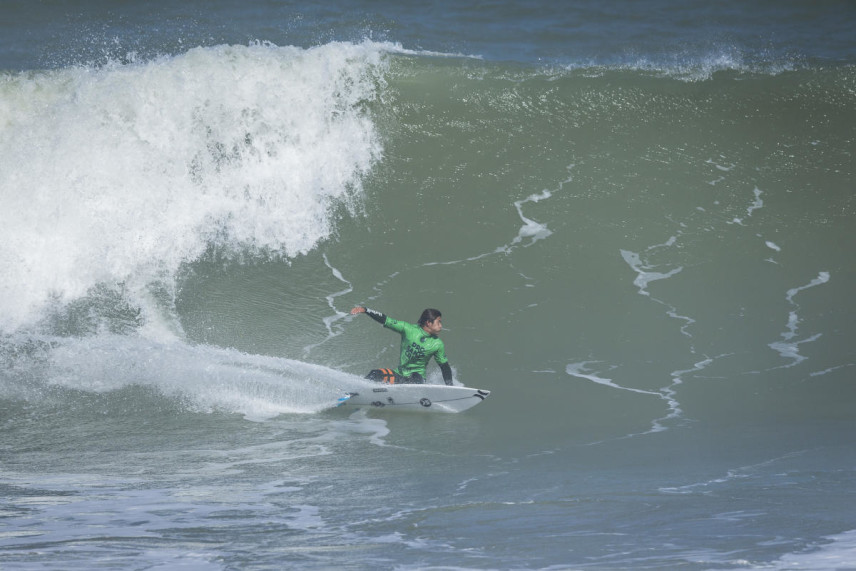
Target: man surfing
column 419, row 343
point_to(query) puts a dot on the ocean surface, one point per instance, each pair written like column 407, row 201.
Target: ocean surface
column 638, row 220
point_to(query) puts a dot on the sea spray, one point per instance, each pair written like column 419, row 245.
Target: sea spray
column 122, row 173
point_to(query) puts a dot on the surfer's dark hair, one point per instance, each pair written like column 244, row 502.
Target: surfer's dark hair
column 429, row 315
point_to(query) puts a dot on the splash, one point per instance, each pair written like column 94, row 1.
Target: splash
column 123, row 173
column 195, row 378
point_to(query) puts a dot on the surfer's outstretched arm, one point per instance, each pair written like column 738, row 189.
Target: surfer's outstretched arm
column 376, row 315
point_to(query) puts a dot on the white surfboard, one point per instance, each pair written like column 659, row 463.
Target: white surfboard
column 422, row 398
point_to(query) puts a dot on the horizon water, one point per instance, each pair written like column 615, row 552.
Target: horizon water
column 636, row 218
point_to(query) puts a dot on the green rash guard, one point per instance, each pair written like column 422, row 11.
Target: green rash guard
column 417, row 347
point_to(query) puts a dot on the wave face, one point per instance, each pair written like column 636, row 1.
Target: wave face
column 641, row 248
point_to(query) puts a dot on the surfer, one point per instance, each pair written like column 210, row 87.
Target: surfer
column 419, row 343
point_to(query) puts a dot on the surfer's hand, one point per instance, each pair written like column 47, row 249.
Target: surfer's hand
column 357, row 310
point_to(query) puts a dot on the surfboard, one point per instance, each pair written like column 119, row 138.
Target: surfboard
column 421, row 398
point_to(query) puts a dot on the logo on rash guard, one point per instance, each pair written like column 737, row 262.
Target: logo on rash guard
column 414, row 352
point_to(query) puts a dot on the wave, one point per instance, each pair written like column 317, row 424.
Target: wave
column 122, row 184
column 122, row 173
column 113, row 178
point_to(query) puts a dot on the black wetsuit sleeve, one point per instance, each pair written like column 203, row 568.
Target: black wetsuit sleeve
column 376, row 315
column 447, row 373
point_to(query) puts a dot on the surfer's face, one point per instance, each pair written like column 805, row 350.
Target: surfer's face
column 433, row 327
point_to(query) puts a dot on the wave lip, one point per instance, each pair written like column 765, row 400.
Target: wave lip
column 691, row 66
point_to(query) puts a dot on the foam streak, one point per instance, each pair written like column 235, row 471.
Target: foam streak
column 788, row 347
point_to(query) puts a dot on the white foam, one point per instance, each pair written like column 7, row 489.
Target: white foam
column 581, row 370
column 531, row 229
column 839, row 552
column 742, row 472
column 788, row 347
column 643, row 274
column 331, row 302
column 125, row 172
column 757, row 204
column 822, row 278
column 667, row 394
